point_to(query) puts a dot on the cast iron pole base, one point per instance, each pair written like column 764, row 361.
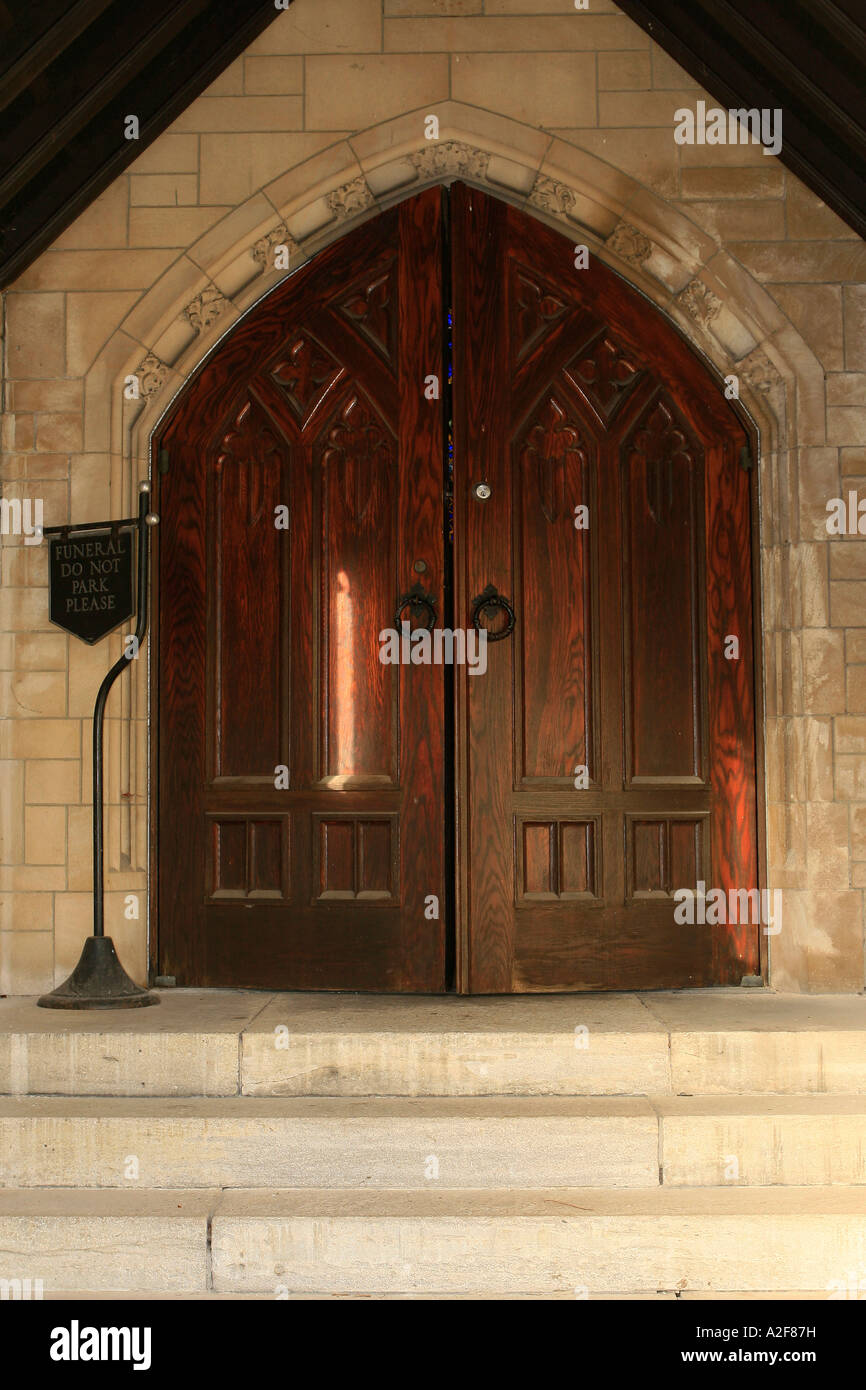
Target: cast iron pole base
column 98, row 981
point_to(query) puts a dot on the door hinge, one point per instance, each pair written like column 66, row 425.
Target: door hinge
column 162, row 461
column 747, row 458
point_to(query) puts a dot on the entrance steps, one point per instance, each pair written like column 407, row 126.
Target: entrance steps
column 232, row 1144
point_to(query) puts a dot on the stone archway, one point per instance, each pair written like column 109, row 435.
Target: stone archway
column 565, row 384
column 724, row 312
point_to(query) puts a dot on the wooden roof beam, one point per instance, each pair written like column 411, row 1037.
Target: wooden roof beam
column 62, row 128
column 49, row 47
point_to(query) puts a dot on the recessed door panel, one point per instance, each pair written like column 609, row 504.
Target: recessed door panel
column 355, row 459
column 552, row 481
column 662, row 501
column 248, row 475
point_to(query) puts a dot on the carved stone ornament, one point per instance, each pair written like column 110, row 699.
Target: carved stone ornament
column 151, row 374
column 450, row 157
column 758, row 371
column 351, row 198
column 630, row 244
column 552, row 197
column 262, row 250
column 206, row 308
column 699, row 302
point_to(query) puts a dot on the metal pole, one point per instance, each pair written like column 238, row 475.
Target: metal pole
column 99, row 713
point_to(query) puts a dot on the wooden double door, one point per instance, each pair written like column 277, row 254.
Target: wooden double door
column 443, row 420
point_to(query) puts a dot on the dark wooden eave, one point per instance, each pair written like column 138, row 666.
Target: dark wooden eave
column 806, row 56
column 71, row 73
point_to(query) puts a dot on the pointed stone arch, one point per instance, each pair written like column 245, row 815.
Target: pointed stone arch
column 727, row 316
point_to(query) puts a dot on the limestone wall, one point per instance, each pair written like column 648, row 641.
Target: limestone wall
column 319, row 124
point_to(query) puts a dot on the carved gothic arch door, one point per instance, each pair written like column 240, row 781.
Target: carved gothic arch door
column 326, row 820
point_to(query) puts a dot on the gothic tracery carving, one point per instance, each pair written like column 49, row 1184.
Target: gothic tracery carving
column 371, row 309
column 550, row 443
column 250, row 445
column 658, row 444
column 306, row 374
column 536, row 307
column 605, row 374
column 357, row 444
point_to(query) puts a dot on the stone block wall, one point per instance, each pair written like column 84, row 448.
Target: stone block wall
column 321, row 122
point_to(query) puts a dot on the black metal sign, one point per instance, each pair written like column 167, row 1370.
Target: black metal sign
column 91, row 589
column 91, row 592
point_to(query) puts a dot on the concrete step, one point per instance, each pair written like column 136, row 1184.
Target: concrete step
column 313, row 1142
column 80, row 1239
column 572, row 1242
column 225, row 1043
column 283, row 1294
column 762, row 1141
column 187, row 1046
column 471, row 1142
column 562, row 1240
column 488, row 1296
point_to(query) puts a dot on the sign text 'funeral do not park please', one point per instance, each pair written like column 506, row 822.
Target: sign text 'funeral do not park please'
column 90, row 575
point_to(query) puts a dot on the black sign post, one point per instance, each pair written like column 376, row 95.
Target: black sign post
column 91, row 593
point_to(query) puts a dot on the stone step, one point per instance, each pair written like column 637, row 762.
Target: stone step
column 209, row 1296
column 230, row 1042
column 563, row 1240
column 471, row 1142
column 71, row 1239
column 313, row 1142
column 576, row 1242
column 488, row 1296
column 762, row 1141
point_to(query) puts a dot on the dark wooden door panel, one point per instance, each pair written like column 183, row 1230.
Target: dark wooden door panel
column 301, row 779
column 609, row 751
column 553, row 471
column 250, row 475
column 662, row 510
